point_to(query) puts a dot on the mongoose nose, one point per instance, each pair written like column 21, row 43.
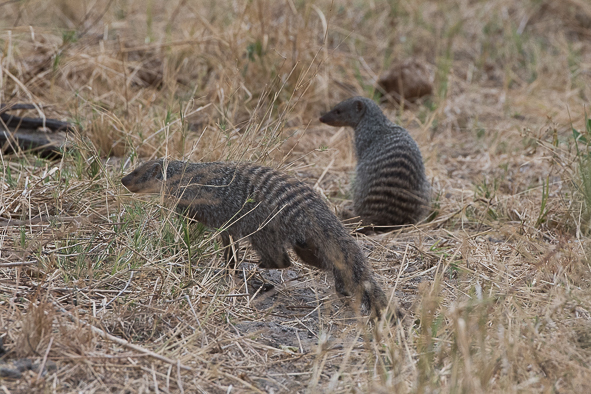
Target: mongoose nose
column 129, row 183
column 125, row 180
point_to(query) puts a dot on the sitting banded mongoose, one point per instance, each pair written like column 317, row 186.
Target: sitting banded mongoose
column 390, row 186
column 272, row 209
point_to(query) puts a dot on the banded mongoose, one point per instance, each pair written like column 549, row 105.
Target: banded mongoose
column 272, row 209
column 390, row 186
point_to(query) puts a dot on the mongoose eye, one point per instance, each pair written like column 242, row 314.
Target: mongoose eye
column 338, row 111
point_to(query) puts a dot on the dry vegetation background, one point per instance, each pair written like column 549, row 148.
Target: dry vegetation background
column 95, row 283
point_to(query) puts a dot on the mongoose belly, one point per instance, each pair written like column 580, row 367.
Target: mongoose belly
column 275, row 211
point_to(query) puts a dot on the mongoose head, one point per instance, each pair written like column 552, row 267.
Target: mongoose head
column 147, row 178
column 347, row 113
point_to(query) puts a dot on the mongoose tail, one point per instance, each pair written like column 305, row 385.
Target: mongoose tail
column 390, row 186
column 273, row 210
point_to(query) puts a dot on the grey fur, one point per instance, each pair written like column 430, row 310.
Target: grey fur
column 390, row 183
column 272, row 209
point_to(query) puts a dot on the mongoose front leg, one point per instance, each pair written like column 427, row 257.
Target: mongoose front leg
column 276, row 260
column 272, row 252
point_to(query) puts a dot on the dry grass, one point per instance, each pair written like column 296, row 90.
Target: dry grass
column 496, row 288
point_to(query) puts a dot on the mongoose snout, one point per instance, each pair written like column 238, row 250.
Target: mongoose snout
column 144, row 179
column 344, row 115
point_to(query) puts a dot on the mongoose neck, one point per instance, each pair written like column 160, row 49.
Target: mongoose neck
column 370, row 130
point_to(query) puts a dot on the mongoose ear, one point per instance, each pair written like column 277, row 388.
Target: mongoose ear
column 359, row 105
column 156, row 171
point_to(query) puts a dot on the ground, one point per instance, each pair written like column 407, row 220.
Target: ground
column 105, row 291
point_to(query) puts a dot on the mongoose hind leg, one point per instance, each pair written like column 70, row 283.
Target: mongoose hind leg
column 357, row 280
column 368, row 295
column 272, row 252
column 374, row 298
column 342, row 282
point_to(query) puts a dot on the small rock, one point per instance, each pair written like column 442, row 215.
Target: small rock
column 409, row 79
column 2, row 348
column 10, row 373
column 24, row 365
column 50, row 366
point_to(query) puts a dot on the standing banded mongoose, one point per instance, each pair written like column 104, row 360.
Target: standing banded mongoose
column 390, row 186
column 272, row 209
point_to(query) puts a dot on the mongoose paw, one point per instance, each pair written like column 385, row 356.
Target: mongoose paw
column 268, row 287
column 391, row 315
column 343, row 292
column 269, row 264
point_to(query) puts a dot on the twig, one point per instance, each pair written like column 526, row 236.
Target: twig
column 244, row 382
column 178, row 376
column 42, row 366
column 10, row 107
column 121, row 292
column 17, row 264
column 193, row 310
column 123, row 56
column 96, row 20
column 85, row 290
column 323, row 173
column 33, row 123
column 15, row 222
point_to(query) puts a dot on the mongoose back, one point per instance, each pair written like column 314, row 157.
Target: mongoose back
column 390, row 185
column 272, row 209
